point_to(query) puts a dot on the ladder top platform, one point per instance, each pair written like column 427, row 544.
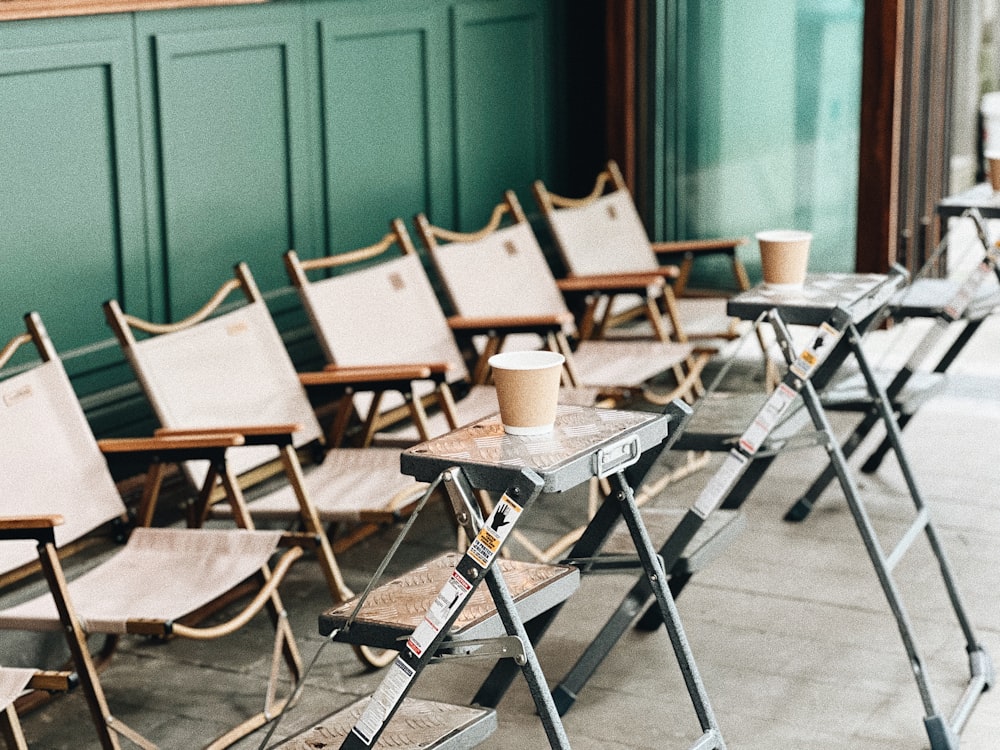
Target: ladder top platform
column 821, row 294
column 586, row 442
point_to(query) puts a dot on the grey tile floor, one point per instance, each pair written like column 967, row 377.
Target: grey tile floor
column 789, row 628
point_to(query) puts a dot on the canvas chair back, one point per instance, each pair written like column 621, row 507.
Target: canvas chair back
column 384, row 313
column 601, row 233
column 228, row 370
column 500, row 270
column 50, row 457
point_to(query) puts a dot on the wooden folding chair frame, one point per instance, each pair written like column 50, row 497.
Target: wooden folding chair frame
column 379, row 379
column 596, row 323
column 281, row 437
column 553, row 327
column 41, row 529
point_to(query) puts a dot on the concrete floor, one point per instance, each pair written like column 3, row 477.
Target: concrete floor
column 790, row 630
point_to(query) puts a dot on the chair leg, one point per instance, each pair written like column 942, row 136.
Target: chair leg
column 10, row 729
column 310, row 520
column 77, row 641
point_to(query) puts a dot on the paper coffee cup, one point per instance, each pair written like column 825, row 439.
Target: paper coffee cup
column 993, row 160
column 784, row 257
column 527, row 386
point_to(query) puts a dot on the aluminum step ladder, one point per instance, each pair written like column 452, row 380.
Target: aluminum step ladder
column 947, row 303
column 586, row 443
column 849, row 311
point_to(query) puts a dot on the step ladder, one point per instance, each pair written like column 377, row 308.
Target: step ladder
column 586, row 443
column 965, row 301
column 852, row 307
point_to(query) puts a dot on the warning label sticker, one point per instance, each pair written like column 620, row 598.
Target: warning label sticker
column 956, row 307
column 720, row 484
column 449, row 600
column 498, row 526
column 769, row 416
column 389, row 694
column 826, row 336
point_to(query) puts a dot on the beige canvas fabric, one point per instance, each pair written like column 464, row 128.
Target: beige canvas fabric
column 50, row 461
column 503, row 273
column 12, row 682
column 387, row 314
column 234, row 370
column 161, row 574
column 506, row 273
column 604, row 236
column 231, row 370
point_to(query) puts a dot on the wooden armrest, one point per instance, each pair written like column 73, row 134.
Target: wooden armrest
column 338, row 375
column 53, row 681
column 726, row 245
column 617, row 282
column 510, row 323
column 164, row 442
column 30, row 522
column 246, row 431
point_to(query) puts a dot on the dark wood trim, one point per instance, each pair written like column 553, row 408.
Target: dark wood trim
column 16, row 10
column 878, row 172
column 620, row 86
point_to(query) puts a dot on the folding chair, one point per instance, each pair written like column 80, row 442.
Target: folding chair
column 385, row 316
column 963, row 302
column 498, row 281
column 160, row 583
column 602, row 234
column 839, row 309
column 229, row 372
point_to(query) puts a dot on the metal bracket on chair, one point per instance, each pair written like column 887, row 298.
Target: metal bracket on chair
column 504, row 647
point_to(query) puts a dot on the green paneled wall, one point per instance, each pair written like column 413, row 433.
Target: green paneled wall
column 500, row 80
column 389, row 153
column 144, row 154
column 72, row 232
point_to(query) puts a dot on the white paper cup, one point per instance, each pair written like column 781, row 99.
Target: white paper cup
column 784, row 257
column 527, row 386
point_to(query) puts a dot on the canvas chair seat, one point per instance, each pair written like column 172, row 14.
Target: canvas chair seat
column 347, row 486
column 192, row 568
column 616, row 364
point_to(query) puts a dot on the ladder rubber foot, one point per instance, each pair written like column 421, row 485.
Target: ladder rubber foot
column 563, row 699
column 940, row 733
column 799, row 511
column 650, row 620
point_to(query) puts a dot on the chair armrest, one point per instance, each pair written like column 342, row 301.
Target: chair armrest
column 37, row 528
column 375, row 377
column 511, row 324
column 638, row 283
column 8, row 523
column 162, row 443
column 260, row 434
column 708, row 247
